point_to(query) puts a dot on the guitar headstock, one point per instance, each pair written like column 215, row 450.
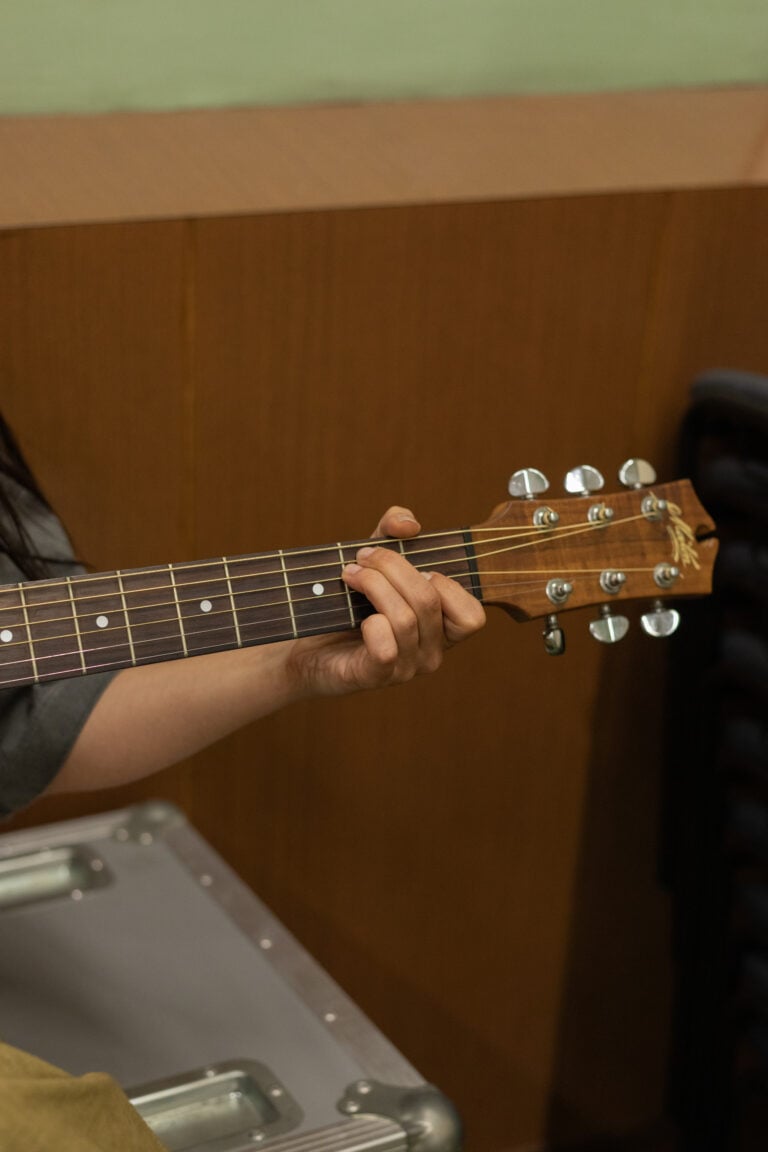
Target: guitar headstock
column 539, row 557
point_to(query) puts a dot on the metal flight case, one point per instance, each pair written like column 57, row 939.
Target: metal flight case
column 128, row 946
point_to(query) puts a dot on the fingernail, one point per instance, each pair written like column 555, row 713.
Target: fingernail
column 427, row 575
column 352, row 568
column 363, row 552
column 407, row 520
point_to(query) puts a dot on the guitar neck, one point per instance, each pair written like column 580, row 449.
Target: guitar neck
column 52, row 629
column 530, row 557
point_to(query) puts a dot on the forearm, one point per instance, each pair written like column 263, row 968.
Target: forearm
column 151, row 717
column 156, row 715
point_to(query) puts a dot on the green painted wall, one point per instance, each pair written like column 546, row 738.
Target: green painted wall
column 103, row 55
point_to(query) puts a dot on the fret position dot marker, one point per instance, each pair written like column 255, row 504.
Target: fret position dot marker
column 102, row 621
column 205, row 605
column 6, row 636
column 318, row 589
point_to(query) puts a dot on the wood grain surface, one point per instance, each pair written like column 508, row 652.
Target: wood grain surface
column 213, row 162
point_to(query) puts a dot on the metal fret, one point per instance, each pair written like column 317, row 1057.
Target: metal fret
column 29, row 634
column 77, row 626
column 352, row 620
column 178, row 610
column 232, row 602
column 288, row 594
column 125, row 613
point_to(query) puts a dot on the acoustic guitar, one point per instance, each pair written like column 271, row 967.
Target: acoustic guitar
column 533, row 557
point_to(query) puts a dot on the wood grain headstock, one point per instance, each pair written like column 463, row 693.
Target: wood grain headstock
column 537, row 557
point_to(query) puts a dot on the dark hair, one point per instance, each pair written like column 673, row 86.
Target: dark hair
column 14, row 539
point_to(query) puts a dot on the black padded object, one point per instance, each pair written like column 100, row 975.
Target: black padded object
column 716, row 812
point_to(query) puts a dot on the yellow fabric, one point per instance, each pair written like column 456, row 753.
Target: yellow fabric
column 43, row 1108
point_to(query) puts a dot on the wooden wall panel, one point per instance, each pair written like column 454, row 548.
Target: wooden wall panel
column 473, row 856
column 93, row 371
column 147, row 165
column 94, row 356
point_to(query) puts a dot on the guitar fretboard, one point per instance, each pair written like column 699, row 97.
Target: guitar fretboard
column 51, row 629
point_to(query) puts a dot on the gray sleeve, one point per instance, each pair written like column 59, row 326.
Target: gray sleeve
column 38, row 726
column 40, row 723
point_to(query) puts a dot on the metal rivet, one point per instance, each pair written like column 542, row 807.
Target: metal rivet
column 330, row 1017
column 206, row 880
column 265, row 943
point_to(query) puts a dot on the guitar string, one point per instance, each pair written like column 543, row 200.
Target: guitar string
column 262, row 589
column 277, row 572
column 574, row 530
column 324, row 611
column 371, row 541
column 321, row 610
column 324, row 621
column 340, row 613
column 535, row 535
column 322, row 605
column 536, row 539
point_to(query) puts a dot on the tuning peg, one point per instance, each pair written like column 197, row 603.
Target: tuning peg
column 636, row 473
column 609, row 628
column 660, row 622
column 527, row 483
column 554, row 637
column 583, row 480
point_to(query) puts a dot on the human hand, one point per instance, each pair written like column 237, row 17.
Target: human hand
column 418, row 617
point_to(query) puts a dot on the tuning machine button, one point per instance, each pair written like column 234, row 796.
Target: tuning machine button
column 608, row 628
column 583, row 480
column 554, row 637
column 636, row 473
column 527, row 483
column 660, row 622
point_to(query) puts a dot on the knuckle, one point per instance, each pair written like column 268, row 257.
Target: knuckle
column 427, row 602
